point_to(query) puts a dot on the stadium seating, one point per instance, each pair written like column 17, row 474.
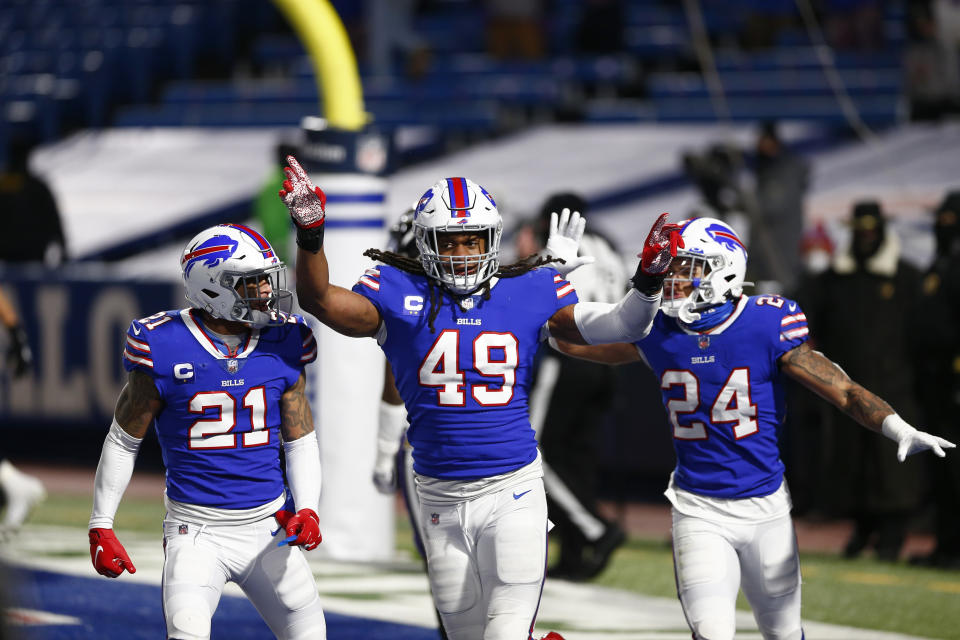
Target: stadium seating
column 66, row 65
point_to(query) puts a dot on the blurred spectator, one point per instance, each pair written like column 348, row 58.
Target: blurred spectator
column 938, row 355
column 515, row 29
column 568, row 402
column 714, row 172
column 600, row 29
column 390, row 33
column 876, row 292
column 853, row 24
column 21, row 492
column 932, row 58
column 32, row 230
column 816, row 250
column 782, row 178
column 270, row 211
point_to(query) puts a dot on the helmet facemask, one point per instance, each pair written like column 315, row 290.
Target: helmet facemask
column 701, row 273
column 461, row 274
column 250, row 306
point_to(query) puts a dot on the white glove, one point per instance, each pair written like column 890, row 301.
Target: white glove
column 910, row 439
column 564, row 241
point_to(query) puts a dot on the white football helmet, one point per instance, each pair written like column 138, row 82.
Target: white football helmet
column 223, row 271
column 713, row 261
column 458, row 205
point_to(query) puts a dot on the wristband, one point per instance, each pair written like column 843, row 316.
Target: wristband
column 310, row 239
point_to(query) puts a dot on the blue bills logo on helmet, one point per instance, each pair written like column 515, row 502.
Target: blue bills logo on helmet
column 725, row 237
column 265, row 249
column 487, row 193
column 424, row 199
column 211, row 253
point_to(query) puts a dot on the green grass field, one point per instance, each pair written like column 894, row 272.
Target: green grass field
column 859, row 593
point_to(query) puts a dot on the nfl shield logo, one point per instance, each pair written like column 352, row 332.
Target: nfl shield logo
column 182, row 529
column 703, row 341
column 233, row 366
column 434, row 518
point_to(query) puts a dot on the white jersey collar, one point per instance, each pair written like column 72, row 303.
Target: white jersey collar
column 202, row 337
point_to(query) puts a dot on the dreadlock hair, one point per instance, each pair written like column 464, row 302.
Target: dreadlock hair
column 414, row 266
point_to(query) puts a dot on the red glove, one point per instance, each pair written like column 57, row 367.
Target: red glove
column 108, row 555
column 658, row 250
column 305, row 524
column 306, row 204
column 661, row 246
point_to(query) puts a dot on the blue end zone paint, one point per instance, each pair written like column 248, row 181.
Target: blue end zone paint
column 123, row 610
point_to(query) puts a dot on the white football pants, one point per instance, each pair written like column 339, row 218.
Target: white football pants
column 712, row 560
column 486, row 560
column 199, row 561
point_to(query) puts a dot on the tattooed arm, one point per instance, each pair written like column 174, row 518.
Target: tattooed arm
column 296, row 417
column 825, row 377
column 300, row 447
column 139, row 403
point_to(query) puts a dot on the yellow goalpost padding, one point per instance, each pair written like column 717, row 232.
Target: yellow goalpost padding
column 334, row 65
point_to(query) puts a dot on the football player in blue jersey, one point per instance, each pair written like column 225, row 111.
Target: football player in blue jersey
column 223, row 385
column 460, row 332
column 721, row 358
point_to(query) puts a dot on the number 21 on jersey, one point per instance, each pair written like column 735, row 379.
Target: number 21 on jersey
column 215, row 433
column 732, row 405
column 442, row 368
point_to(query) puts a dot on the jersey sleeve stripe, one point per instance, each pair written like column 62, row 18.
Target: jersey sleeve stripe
column 797, row 317
column 370, row 282
column 565, row 290
column 373, row 273
column 139, row 346
column 794, row 333
column 137, row 359
column 309, row 340
column 310, row 355
column 558, row 278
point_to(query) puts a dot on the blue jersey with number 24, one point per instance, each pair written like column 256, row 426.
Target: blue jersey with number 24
column 724, row 395
column 465, row 384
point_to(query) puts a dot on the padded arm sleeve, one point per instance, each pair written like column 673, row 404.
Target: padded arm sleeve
column 303, row 471
column 626, row 321
column 393, row 422
column 113, row 475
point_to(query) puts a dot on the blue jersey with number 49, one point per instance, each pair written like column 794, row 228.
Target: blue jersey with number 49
column 724, row 395
column 465, row 384
column 219, row 429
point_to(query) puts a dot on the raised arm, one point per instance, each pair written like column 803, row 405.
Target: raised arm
column 825, row 378
column 340, row 309
column 630, row 319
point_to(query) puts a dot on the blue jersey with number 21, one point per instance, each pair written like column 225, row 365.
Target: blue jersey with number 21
column 724, row 395
column 219, row 429
column 465, row 384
